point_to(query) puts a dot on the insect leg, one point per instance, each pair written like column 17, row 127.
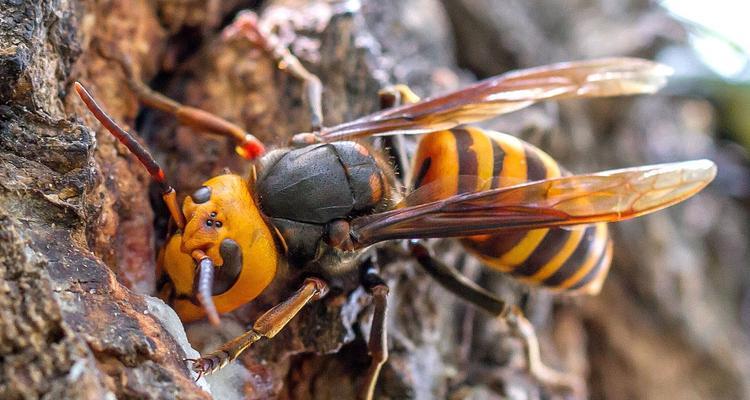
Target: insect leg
column 544, row 374
column 394, row 96
column 268, row 325
column 251, row 28
column 247, row 145
column 456, row 283
column 378, row 343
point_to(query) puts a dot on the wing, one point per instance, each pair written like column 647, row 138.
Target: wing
column 509, row 92
column 580, row 199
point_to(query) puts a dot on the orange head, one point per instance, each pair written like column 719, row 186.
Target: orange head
column 223, row 225
column 224, row 254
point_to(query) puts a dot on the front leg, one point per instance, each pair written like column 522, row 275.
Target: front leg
column 247, row 145
column 268, row 325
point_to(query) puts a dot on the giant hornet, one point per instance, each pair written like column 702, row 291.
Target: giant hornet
column 319, row 203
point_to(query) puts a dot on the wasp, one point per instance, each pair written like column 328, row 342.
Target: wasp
column 319, row 203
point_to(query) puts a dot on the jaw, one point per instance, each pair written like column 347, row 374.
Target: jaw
column 210, row 248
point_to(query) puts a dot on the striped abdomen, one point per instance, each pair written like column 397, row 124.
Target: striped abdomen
column 472, row 159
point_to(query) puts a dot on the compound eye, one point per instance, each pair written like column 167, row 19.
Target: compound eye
column 201, row 195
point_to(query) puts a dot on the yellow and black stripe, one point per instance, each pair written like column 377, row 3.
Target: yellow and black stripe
column 472, row 159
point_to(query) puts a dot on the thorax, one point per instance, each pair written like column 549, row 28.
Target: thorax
column 301, row 191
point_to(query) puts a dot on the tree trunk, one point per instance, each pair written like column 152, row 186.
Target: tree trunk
column 80, row 224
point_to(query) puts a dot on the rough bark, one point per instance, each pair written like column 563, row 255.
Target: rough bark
column 70, row 329
column 80, row 228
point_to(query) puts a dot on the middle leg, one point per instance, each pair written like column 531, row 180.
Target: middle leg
column 459, row 285
column 378, row 343
column 248, row 25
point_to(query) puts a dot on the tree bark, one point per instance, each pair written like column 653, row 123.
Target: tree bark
column 80, row 225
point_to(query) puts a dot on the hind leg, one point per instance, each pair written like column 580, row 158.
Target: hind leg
column 452, row 280
column 523, row 328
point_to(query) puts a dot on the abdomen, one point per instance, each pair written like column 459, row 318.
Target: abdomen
column 471, row 159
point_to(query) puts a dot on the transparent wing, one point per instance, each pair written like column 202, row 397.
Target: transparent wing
column 509, row 92
column 579, row 199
